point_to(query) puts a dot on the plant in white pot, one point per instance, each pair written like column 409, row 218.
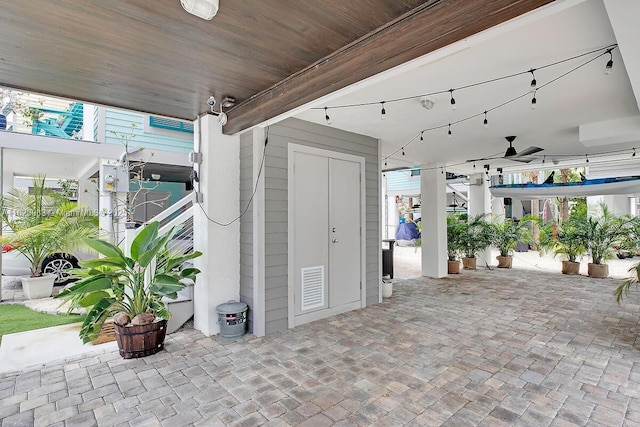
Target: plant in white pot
column 130, row 289
column 39, row 224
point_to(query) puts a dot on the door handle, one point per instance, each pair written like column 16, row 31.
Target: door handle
column 334, row 240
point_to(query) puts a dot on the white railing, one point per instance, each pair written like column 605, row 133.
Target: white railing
column 178, row 216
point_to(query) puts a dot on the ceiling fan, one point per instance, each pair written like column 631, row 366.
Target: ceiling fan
column 512, row 154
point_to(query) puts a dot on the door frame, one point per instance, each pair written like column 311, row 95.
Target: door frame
column 291, row 150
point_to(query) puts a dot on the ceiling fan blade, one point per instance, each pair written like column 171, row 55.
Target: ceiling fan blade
column 521, row 159
column 529, row 151
column 491, row 157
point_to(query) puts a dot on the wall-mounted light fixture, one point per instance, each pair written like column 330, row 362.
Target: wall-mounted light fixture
column 205, row 9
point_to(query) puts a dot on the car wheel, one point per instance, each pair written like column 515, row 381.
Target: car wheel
column 59, row 264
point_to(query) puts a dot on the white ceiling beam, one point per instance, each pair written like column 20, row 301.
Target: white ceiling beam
column 609, row 132
column 623, row 15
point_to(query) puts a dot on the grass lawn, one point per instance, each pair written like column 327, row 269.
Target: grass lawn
column 18, row 318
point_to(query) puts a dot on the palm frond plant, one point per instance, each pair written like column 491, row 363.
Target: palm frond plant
column 129, row 288
column 41, row 223
column 506, row 234
column 625, row 286
column 475, row 237
column 602, row 231
column 455, row 244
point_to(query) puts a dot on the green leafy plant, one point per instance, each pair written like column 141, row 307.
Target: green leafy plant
column 603, row 231
column 455, row 229
column 507, row 233
column 42, row 223
column 475, row 235
column 132, row 285
column 569, row 239
column 625, row 286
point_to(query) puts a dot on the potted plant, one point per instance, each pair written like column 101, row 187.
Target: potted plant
column 567, row 239
column 455, row 228
column 475, row 237
column 601, row 233
column 42, row 224
column 130, row 289
column 506, row 235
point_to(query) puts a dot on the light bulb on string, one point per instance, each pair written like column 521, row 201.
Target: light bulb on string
column 534, row 83
column 385, row 162
column 383, row 112
column 453, row 100
column 421, row 137
column 608, row 68
column 534, row 100
column 449, row 132
column 544, row 159
column 442, row 171
column 586, row 156
column 634, row 153
column 326, row 116
column 486, row 122
column 403, row 151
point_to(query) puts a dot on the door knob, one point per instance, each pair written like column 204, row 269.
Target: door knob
column 334, row 240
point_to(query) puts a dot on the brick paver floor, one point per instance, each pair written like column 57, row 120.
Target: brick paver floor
column 486, row 347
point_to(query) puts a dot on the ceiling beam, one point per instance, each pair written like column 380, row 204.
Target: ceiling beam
column 433, row 25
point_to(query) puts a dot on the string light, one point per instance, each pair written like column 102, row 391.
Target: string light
column 609, row 66
column 326, row 116
column 383, row 113
column 534, row 83
column 385, row 162
column 586, row 156
column 403, row 151
column 442, row 171
column 544, row 158
column 486, row 122
column 453, row 100
column 634, row 153
column 600, row 51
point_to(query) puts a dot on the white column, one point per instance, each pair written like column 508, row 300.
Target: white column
column 219, row 177
column 480, row 204
column 434, row 222
column 258, row 209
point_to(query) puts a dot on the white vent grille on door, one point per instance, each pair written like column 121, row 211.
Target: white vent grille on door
column 312, row 287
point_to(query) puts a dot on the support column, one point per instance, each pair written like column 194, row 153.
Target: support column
column 434, row 222
column 480, row 204
column 258, row 212
column 218, row 191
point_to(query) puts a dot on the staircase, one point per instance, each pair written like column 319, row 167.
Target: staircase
column 180, row 216
column 64, row 124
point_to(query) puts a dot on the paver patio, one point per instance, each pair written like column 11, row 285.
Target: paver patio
column 499, row 347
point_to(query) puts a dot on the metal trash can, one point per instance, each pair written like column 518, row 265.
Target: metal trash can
column 232, row 318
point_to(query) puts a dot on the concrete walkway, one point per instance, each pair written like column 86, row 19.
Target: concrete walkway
column 487, row 347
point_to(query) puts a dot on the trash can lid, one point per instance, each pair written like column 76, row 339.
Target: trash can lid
column 231, row 307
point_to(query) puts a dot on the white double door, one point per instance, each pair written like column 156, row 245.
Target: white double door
column 327, row 240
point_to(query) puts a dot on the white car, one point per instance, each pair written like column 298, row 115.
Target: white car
column 16, row 264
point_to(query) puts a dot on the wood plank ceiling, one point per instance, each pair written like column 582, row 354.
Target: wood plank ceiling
column 272, row 56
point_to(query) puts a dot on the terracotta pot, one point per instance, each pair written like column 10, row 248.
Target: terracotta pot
column 142, row 340
column 598, row 271
column 453, row 267
column 570, row 267
column 504, row 261
column 469, row 263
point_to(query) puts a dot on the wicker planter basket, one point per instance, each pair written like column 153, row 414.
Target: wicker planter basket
column 107, row 333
